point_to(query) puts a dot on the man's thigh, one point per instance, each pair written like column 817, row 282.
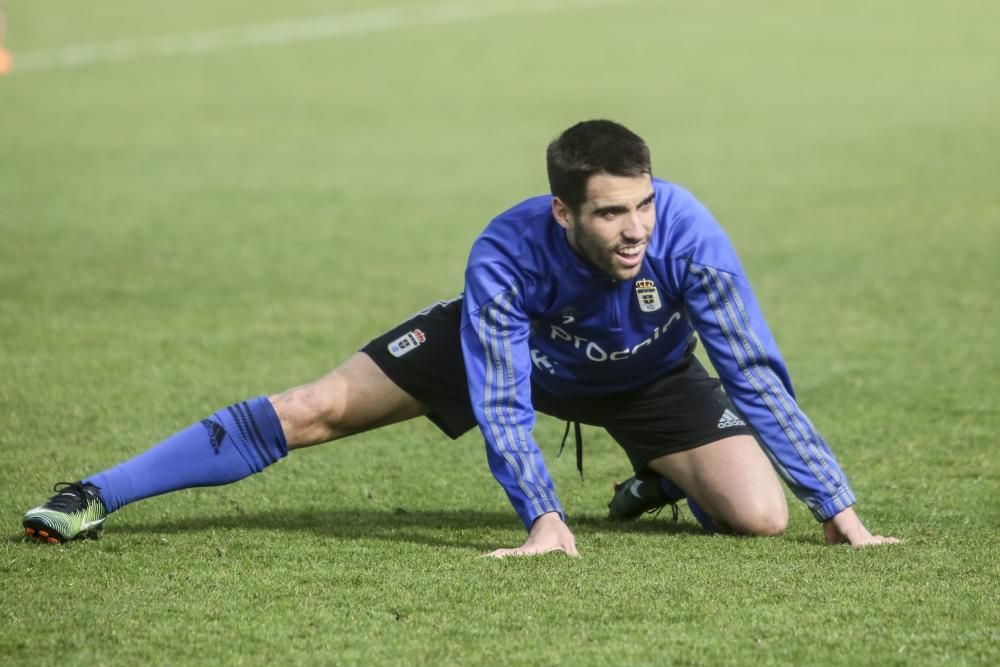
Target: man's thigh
column 423, row 357
column 734, row 483
column 413, row 369
column 352, row 398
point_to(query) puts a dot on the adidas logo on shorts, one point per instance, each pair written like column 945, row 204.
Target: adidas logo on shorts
column 729, row 420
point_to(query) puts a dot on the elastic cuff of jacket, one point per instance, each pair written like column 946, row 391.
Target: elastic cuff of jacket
column 835, row 505
column 529, row 521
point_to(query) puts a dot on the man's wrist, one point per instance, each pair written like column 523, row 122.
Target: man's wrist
column 546, row 518
column 841, row 501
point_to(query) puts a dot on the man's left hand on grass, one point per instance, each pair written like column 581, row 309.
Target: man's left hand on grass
column 846, row 528
column 548, row 533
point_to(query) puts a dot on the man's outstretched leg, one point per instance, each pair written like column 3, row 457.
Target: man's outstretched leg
column 231, row 444
column 227, row 446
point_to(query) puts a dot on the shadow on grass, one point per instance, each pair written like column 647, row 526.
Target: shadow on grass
column 443, row 528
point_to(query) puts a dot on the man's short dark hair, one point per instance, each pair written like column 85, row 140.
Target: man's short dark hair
column 592, row 147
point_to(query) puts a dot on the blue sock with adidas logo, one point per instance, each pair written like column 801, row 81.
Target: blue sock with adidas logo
column 232, row 444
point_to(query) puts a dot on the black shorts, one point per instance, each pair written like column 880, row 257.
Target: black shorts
column 684, row 409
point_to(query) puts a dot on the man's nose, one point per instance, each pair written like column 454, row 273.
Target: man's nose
column 633, row 230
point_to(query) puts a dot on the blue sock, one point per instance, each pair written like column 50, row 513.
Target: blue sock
column 232, row 444
column 675, row 492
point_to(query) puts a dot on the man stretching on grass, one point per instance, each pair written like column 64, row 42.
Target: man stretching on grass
column 583, row 305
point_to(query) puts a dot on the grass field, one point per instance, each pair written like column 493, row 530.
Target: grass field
column 193, row 213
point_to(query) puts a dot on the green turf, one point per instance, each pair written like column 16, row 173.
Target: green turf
column 179, row 233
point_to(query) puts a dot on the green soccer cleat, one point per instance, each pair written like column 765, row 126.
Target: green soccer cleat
column 635, row 496
column 75, row 511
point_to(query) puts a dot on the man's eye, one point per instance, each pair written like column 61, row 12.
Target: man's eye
column 646, row 204
column 609, row 215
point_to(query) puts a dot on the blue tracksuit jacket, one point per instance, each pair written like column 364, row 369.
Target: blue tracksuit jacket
column 535, row 311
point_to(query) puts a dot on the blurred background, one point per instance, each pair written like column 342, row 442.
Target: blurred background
column 297, row 176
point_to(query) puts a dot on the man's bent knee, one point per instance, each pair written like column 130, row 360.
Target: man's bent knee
column 733, row 482
column 759, row 520
column 766, row 526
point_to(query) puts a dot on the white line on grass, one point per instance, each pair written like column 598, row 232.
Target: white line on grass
column 283, row 32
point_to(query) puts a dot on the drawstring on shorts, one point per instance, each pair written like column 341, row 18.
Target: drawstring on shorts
column 579, row 445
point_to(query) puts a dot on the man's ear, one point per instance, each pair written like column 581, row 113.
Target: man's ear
column 562, row 213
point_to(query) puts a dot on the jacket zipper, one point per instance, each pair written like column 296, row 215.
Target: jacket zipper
column 614, row 317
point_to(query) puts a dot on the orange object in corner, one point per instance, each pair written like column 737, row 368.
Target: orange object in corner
column 6, row 61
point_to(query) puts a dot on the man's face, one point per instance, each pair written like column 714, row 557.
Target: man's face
column 614, row 224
